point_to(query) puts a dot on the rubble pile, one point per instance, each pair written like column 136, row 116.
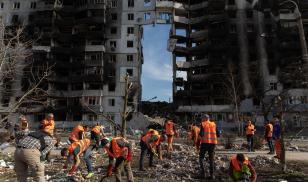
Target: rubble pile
column 264, row 161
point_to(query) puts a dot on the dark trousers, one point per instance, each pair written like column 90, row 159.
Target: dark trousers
column 210, row 148
column 250, row 142
column 270, row 144
column 119, row 165
column 144, row 151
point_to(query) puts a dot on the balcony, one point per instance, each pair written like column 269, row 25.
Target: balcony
column 179, row 82
column 198, row 6
column 95, row 48
column 200, row 77
column 183, row 65
column 199, row 35
column 41, row 48
column 164, row 6
column 90, row 62
column 91, row 20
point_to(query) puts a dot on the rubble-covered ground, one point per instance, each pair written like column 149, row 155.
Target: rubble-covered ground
column 182, row 165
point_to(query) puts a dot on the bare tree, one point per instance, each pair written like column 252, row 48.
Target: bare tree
column 16, row 63
column 232, row 86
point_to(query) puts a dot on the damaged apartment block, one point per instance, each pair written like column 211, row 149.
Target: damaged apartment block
column 228, row 56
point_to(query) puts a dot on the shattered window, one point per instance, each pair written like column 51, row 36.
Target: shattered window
column 113, row 30
column 130, row 16
column 129, row 72
column 33, row 5
column 130, row 3
column 130, row 30
column 273, row 86
column 130, row 43
column 114, row 3
column 16, row 5
column 114, row 16
column 111, row 102
column 129, row 58
column 113, row 44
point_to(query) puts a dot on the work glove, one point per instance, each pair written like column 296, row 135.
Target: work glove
column 109, row 170
column 73, row 169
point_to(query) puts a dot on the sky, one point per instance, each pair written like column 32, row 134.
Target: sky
column 156, row 76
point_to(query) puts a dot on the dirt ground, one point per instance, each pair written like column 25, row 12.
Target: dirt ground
column 183, row 166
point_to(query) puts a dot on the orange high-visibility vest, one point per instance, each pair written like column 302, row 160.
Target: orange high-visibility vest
column 236, row 165
column 209, row 129
column 169, row 128
column 149, row 135
column 97, row 129
column 75, row 133
column 270, row 132
column 83, row 144
column 117, row 151
column 48, row 124
column 250, row 129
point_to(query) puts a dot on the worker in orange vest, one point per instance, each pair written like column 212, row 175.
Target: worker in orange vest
column 250, row 132
column 170, row 131
column 78, row 133
column 241, row 169
column 208, row 137
column 96, row 133
column 150, row 143
column 195, row 130
column 269, row 137
column 75, row 150
column 48, row 122
column 121, row 150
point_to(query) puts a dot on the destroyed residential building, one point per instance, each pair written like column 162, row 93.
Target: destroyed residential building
column 93, row 44
column 260, row 42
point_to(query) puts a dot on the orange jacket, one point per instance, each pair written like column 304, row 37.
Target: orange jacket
column 236, row 165
column 74, row 136
column 48, row 124
column 117, row 151
column 169, row 127
column 97, row 129
column 250, row 129
column 83, row 144
column 209, row 132
column 149, row 135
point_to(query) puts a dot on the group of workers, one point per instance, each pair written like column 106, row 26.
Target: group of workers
column 272, row 132
column 32, row 148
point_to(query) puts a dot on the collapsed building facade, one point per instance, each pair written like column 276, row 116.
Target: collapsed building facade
column 90, row 46
column 227, row 56
column 240, row 57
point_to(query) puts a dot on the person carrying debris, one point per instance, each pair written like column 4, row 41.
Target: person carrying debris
column 78, row 133
column 31, row 151
column 48, row 122
column 195, row 130
column 96, row 132
column 150, row 143
column 241, row 169
column 276, row 137
column 250, row 132
column 23, row 128
column 75, row 150
column 208, row 137
column 269, row 137
column 122, row 151
column 170, row 131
